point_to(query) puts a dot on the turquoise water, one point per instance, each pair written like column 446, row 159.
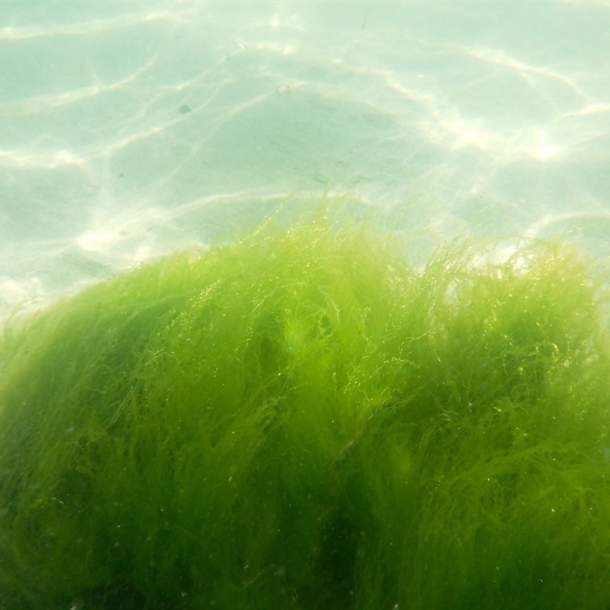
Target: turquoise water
column 131, row 129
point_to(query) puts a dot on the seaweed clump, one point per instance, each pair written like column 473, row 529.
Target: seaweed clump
column 301, row 421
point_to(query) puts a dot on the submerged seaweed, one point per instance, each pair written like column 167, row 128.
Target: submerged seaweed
column 300, row 421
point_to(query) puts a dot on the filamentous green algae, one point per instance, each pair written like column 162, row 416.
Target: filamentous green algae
column 300, row 421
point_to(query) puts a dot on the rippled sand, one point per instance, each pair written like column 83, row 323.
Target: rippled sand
column 130, row 129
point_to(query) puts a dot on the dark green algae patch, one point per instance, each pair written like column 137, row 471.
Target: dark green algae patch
column 301, row 421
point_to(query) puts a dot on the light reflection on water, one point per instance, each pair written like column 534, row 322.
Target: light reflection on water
column 133, row 129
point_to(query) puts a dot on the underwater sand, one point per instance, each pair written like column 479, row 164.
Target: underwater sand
column 299, row 420
column 131, row 129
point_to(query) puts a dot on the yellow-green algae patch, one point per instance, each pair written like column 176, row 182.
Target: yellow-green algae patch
column 299, row 421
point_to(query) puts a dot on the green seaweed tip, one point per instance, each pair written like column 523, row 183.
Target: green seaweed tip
column 300, row 421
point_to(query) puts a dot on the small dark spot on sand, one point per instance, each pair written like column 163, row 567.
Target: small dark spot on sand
column 185, row 109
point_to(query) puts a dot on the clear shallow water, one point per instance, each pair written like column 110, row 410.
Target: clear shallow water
column 129, row 129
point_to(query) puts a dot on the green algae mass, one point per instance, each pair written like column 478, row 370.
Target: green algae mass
column 299, row 421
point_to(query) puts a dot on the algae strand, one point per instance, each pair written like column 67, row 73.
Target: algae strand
column 301, row 421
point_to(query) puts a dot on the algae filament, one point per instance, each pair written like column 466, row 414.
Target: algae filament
column 299, row 421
